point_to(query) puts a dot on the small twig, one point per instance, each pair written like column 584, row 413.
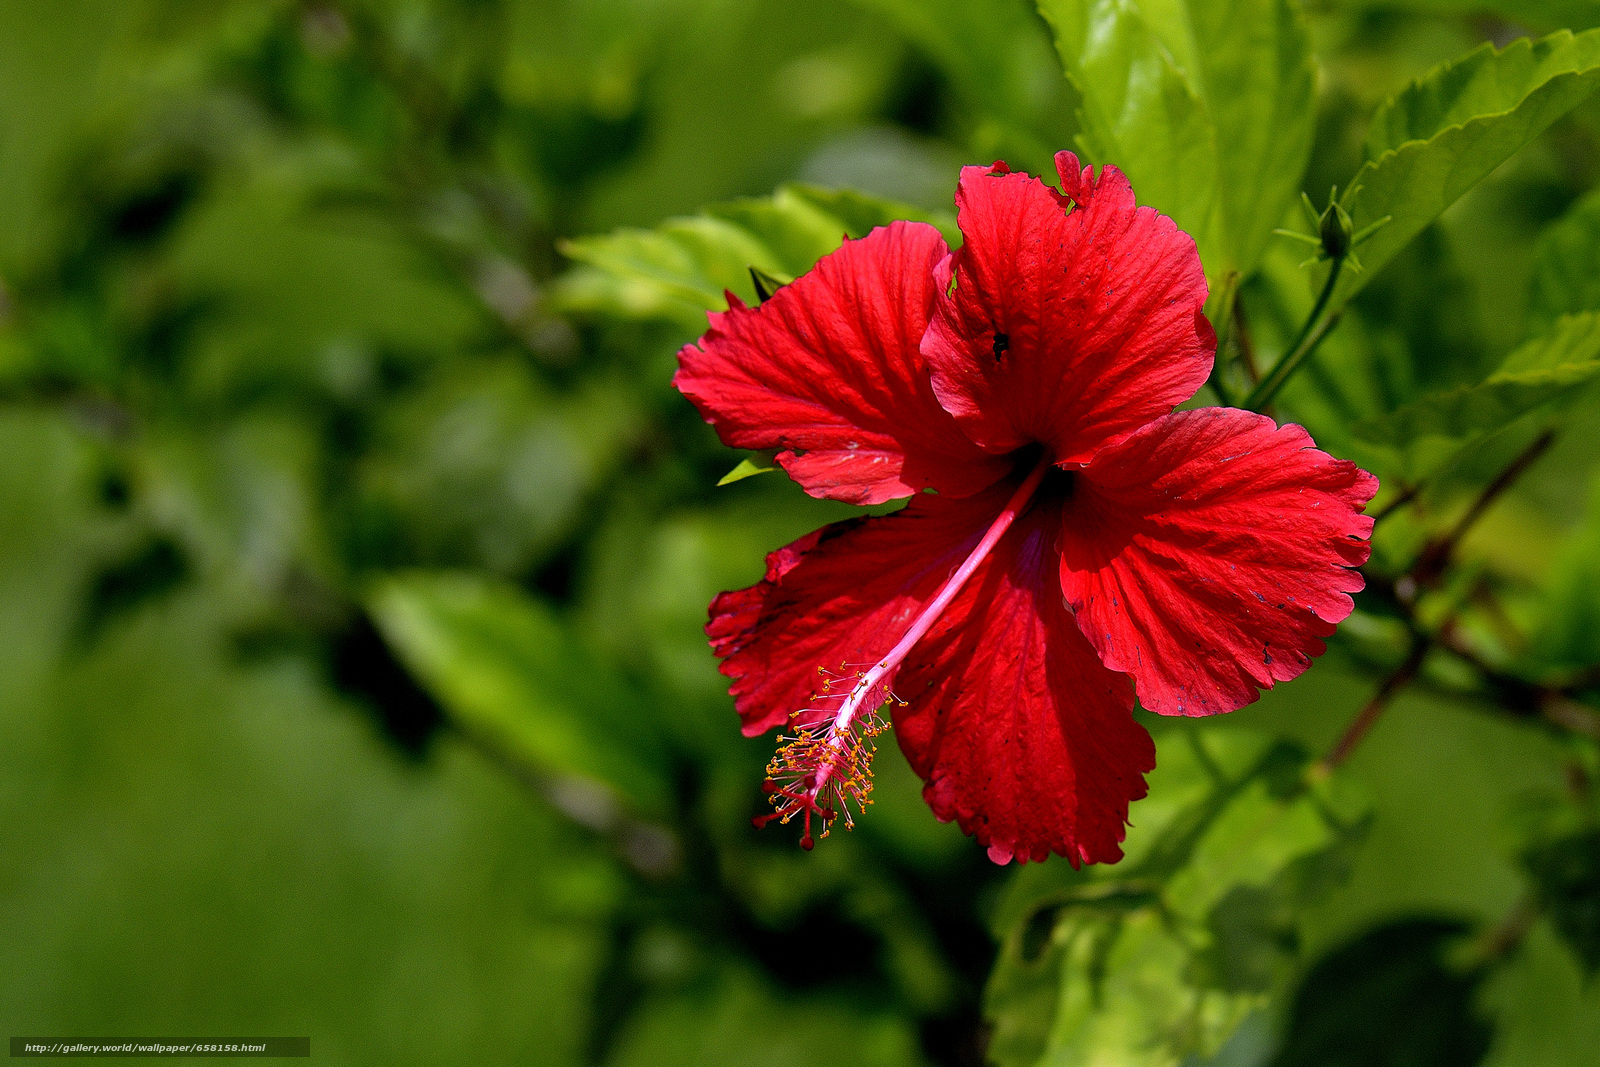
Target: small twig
column 1504, row 627
column 1561, row 710
column 1407, row 495
column 1430, row 566
column 1504, row 937
column 1368, row 716
column 1519, row 697
column 650, row 849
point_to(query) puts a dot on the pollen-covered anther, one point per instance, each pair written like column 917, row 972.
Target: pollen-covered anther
column 824, row 769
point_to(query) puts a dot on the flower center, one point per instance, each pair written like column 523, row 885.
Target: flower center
column 825, row 767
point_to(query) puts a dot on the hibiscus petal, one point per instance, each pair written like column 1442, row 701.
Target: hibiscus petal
column 835, row 601
column 1022, row 735
column 1209, row 553
column 829, row 370
column 1065, row 328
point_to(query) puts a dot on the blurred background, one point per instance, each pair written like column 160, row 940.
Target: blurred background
column 354, row 547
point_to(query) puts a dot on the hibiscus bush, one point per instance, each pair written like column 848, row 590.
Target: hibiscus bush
column 900, row 532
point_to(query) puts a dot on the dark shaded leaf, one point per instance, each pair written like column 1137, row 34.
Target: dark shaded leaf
column 1567, row 872
column 1388, row 999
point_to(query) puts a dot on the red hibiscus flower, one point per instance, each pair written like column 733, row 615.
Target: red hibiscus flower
column 1069, row 538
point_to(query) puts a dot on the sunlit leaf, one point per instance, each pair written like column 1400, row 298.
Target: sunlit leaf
column 748, row 467
column 1206, row 106
column 1566, row 271
column 505, row 666
column 1164, row 955
column 681, row 269
column 1540, row 371
column 1451, row 128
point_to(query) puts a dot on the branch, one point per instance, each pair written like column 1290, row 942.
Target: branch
column 1368, row 716
column 651, row 850
column 1435, row 558
column 1407, row 495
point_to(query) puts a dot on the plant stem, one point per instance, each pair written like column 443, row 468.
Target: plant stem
column 1499, row 941
column 1311, row 334
column 1430, row 566
column 1242, row 341
column 1406, row 496
column 1230, row 291
column 1368, row 716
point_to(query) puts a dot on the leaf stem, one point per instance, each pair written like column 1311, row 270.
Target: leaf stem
column 1311, row 334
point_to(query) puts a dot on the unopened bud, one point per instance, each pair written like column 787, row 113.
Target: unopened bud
column 1336, row 231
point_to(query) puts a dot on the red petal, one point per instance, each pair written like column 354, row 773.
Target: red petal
column 1021, row 734
column 829, row 370
column 1208, row 554
column 1065, row 328
column 1023, row 737
column 838, row 600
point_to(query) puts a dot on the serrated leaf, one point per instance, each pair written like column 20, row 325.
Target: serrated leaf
column 1566, row 266
column 680, row 270
column 504, row 666
column 1540, row 371
column 1451, row 128
column 1206, row 106
column 1162, row 956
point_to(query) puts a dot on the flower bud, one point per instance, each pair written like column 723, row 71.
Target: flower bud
column 1336, row 231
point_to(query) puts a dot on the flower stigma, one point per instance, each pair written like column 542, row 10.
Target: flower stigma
column 825, row 766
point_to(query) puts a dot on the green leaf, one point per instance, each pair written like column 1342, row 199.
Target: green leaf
column 1537, row 372
column 1452, row 127
column 1566, row 636
column 506, row 669
column 735, row 1019
column 679, row 270
column 1163, row 955
column 1212, row 125
column 1566, row 271
column 993, row 52
column 748, row 467
column 1535, row 14
column 1389, row 997
column 1567, row 872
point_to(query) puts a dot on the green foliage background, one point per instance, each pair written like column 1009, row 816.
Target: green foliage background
column 354, row 548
